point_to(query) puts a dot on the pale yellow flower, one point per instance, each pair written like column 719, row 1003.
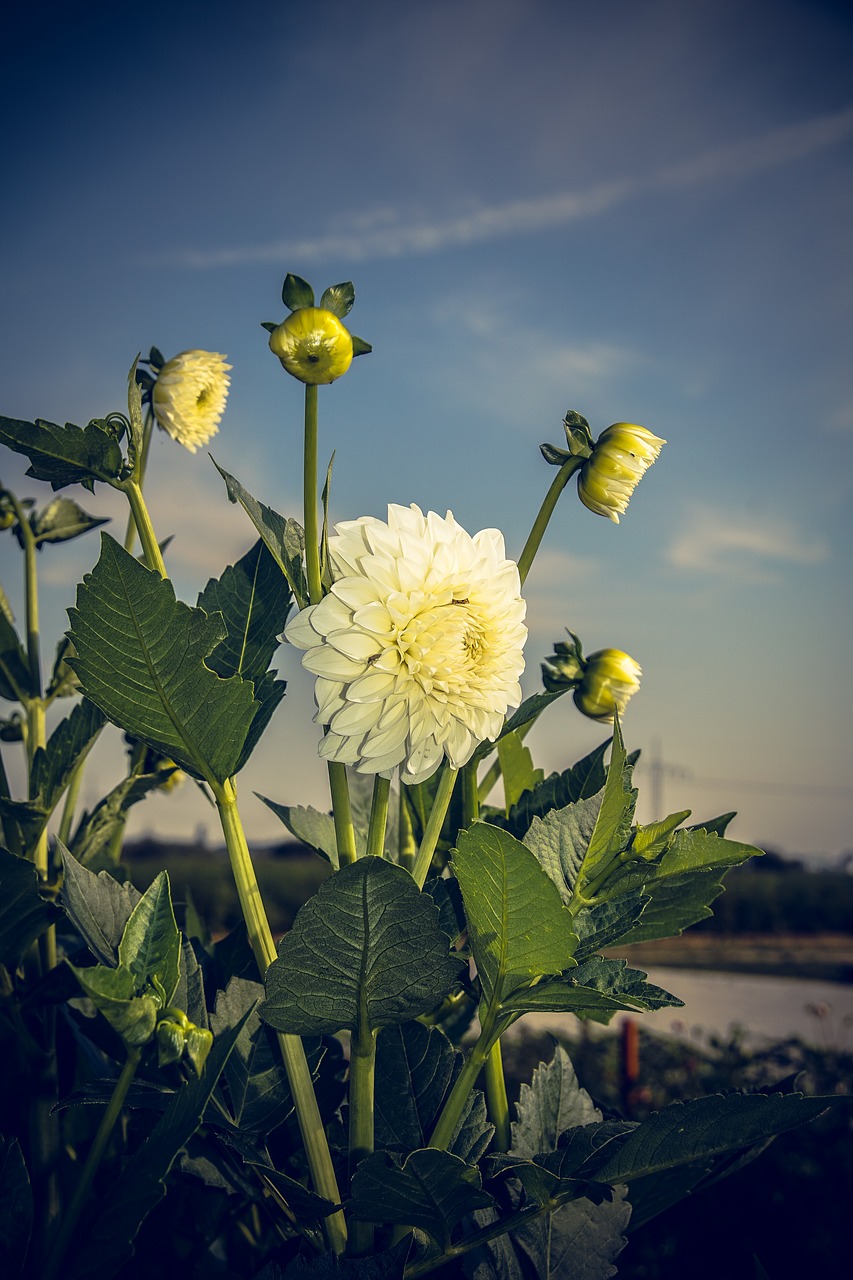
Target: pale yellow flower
column 610, row 680
column 189, row 396
column 313, row 345
column 418, row 647
column 620, row 457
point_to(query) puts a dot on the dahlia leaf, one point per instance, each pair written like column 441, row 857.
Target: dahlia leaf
column 63, row 520
column 365, row 952
column 139, row 655
column 150, row 946
column 520, row 930
column 283, row 537
column 432, row 1190
column 596, row 989
column 582, row 780
column 517, row 769
column 15, row 680
column 91, row 842
column 97, row 905
column 64, row 455
column 553, row 1102
column 254, row 600
column 416, row 1066
column 24, row 913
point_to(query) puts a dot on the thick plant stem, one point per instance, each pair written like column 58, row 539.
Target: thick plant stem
column 497, row 1099
column 309, row 498
column 292, row 1051
column 452, row 1110
column 90, row 1168
column 144, row 527
column 342, row 813
column 470, row 798
column 540, row 524
column 378, row 817
column 441, row 804
column 362, row 1070
column 406, row 849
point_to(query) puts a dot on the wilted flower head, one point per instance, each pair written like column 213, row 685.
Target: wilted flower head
column 619, row 459
column 418, row 647
column 610, row 679
column 313, row 345
column 189, row 396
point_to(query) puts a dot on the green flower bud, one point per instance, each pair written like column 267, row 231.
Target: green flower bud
column 198, row 1045
column 621, row 456
column 611, row 678
column 313, row 345
column 171, row 1039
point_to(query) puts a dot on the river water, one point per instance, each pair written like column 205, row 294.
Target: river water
column 819, row 1013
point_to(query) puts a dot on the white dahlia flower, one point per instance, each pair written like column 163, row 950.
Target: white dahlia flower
column 189, row 396
column 418, row 647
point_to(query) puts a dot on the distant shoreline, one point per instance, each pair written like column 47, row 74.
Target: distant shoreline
column 822, row 956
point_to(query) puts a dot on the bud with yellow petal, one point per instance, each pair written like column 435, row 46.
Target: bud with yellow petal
column 313, row 345
column 610, row 680
column 620, row 457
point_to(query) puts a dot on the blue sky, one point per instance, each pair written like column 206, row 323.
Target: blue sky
column 638, row 210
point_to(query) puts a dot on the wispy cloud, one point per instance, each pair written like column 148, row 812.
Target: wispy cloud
column 390, row 233
column 743, row 548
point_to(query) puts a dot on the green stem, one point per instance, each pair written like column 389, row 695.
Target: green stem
column 72, row 795
column 139, row 476
column 292, row 1051
column 362, row 1070
column 406, row 848
column 540, row 524
column 342, row 813
column 144, row 527
column 497, row 1099
column 309, row 497
column 438, row 813
column 90, row 1168
column 378, row 817
column 465, row 1081
column 470, row 798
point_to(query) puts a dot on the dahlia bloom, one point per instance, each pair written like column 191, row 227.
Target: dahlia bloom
column 418, row 647
column 620, row 457
column 189, row 396
column 610, row 680
column 313, row 345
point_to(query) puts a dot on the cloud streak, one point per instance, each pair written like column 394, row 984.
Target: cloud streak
column 392, row 233
column 749, row 550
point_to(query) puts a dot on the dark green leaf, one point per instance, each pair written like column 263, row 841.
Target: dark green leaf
column 109, row 1241
column 597, row 989
column 584, row 779
column 432, row 1191
column 258, row 1089
column 519, row 928
column 364, row 952
column 91, row 843
column 97, row 905
column 68, row 745
column 64, row 455
column 24, row 914
column 253, row 598
column 579, row 1241
column 16, row 1208
column 268, row 694
column 296, row 292
column 338, row 299
column 388, row 1265
column 682, row 884
column 150, row 946
column 688, row 1131
column 606, row 923
column 517, row 769
column 561, row 839
column 613, row 825
column 140, row 657
column 303, row 1204
column 63, row 682
column 15, row 683
column 283, row 538
column 61, row 520
column 416, row 1066
column 311, row 827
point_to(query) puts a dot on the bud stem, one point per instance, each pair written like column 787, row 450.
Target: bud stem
column 540, row 524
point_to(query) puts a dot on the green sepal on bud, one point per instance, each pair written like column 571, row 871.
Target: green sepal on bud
column 177, row 1038
column 565, row 670
column 578, row 441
